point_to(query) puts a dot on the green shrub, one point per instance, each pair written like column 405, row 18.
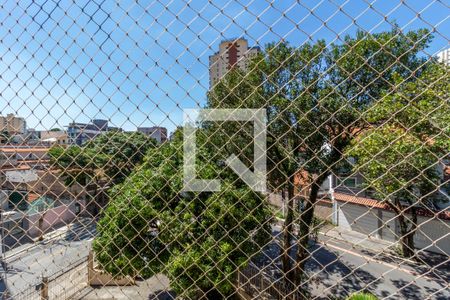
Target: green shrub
column 362, row 296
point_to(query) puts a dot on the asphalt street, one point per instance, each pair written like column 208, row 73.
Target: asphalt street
column 337, row 269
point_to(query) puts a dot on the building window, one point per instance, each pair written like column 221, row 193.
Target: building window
column 349, row 182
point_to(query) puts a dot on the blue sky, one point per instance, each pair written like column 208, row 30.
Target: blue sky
column 140, row 63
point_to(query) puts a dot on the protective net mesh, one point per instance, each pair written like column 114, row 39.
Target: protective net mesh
column 224, row 150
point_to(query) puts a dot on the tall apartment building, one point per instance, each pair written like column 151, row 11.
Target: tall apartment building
column 12, row 124
column 233, row 52
column 158, row 133
column 444, row 56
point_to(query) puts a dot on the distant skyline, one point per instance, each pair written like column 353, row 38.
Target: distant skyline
column 140, row 64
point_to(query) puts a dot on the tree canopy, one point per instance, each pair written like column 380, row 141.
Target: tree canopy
column 315, row 96
column 197, row 238
column 111, row 156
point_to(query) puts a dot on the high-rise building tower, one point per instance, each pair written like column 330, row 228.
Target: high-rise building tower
column 444, row 56
column 233, row 52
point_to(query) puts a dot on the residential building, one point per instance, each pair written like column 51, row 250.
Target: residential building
column 34, row 201
column 444, row 56
column 158, row 133
column 30, row 137
column 12, row 124
column 356, row 208
column 346, row 202
column 45, row 182
column 80, row 133
column 16, row 156
column 51, row 137
column 233, row 52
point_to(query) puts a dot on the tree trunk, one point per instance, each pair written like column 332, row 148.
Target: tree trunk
column 306, row 219
column 407, row 234
column 288, row 234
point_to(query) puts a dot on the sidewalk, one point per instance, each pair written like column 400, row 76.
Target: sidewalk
column 357, row 239
column 352, row 237
column 384, row 251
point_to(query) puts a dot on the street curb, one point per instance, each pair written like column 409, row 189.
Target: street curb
column 340, row 238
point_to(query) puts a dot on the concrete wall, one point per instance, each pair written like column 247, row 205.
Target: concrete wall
column 358, row 218
column 324, row 210
column 433, row 234
column 275, row 200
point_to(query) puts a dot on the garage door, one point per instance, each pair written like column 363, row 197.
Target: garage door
column 358, row 218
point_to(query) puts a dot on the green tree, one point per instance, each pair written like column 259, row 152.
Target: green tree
column 315, row 97
column 399, row 159
column 197, row 238
column 362, row 296
column 4, row 136
column 119, row 153
column 108, row 158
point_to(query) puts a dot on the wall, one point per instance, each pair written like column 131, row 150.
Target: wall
column 275, row 200
column 433, row 233
column 324, row 209
column 52, row 218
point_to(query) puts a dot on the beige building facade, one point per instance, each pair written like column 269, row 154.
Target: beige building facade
column 444, row 56
column 156, row 132
column 233, row 52
column 55, row 137
column 13, row 124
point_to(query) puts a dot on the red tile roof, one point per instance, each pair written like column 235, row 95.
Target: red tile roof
column 360, row 200
column 378, row 204
column 19, row 150
column 33, row 197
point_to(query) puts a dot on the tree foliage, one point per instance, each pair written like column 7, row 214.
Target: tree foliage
column 110, row 156
column 400, row 156
column 101, row 163
column 4, row 137
column 197, row 238
column 315, row 96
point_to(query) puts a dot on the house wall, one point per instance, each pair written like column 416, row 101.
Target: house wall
column 358, row 218
column 387, row 228
column 433, row 233
column 324, row 210
column 14, row 225
column 275, row 199
column 51, row 219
